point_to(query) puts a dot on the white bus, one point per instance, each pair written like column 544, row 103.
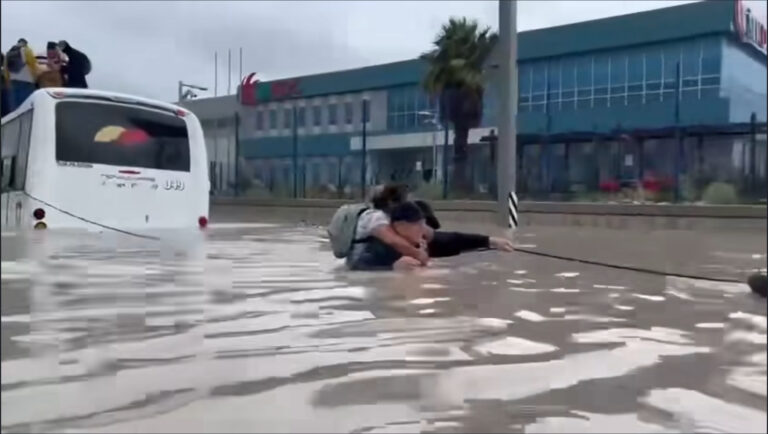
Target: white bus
column 78, row 158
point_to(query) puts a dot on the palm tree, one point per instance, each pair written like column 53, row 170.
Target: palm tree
column 455, row 77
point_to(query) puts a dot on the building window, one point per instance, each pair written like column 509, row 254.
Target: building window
column 301, row 117
column 287, row 118
column 332, row 114
column 408, row 108
column 348, row 112
column 273, row 119
column 316, row 116
column 259, row 120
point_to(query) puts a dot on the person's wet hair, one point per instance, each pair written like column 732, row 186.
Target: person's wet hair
column 51, row 45
column 389, row 195
column 429, row 214
column 407, row 212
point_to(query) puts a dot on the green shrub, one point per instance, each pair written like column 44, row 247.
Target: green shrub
column 720, row 193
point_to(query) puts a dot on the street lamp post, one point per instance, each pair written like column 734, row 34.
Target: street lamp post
column 432, row 119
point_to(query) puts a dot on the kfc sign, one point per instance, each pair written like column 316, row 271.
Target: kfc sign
column 252, row 92
column 748, row 28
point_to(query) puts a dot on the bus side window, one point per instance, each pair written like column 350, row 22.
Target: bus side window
column 20, row 168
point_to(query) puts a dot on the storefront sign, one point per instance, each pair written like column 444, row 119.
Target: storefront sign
column 748, row 28
column 252, row 92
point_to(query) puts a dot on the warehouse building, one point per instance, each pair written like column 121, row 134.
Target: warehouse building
column 675, row 94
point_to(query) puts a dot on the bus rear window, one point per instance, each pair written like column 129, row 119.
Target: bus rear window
column 120, row 135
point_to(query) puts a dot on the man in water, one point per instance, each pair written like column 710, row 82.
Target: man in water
column 371, row 253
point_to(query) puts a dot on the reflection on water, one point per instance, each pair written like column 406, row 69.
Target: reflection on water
column 258, row 328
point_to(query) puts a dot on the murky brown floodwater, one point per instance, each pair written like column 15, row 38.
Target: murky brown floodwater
column 258, row 329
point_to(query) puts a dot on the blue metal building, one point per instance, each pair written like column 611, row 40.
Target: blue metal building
column 599, row 101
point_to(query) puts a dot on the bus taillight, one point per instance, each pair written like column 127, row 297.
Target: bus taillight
column 203, row 222
column 38, row 214
column 181, row 113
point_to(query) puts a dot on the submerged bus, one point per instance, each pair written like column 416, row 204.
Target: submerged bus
column 78, row 158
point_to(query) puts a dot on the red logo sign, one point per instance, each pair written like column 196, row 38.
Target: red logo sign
column 248, row 90
column 748, row 28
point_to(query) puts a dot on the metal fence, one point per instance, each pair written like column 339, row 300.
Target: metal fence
column 717, row 164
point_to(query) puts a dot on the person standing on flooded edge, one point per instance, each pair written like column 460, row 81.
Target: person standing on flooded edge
column 20, row 69
column 78, row 66
column 52, row 75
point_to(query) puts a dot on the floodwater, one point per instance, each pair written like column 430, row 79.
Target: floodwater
column 256, row 328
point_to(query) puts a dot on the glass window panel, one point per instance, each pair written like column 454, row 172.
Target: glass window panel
column 584, row 73
column 617, row 100
column 348, row 112
column 568, row 94
column 635, row 67
column 259, row 120
column 539, row 77
column 554, row 96
column 524, row 99
column 635, row 88
column 524, row 80
column 410, row 99
column 711, row 56
column 553, row 75
column 691, row 54
column 652, row 97
column 653, row 86
column 538, row 97
column 690, row 83
column 671, row 62
column 569, row 78
column 316, row 115
column 601, row 70
column 301, row 117
column 618, row 90
column 653, row 65
column 332, row 114
column 584, row 93
column 710, row 81
column 601, row 91
column 618, row 70
column 273, row 119
column 287, row 118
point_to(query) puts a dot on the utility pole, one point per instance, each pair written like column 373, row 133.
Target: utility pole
column 506, row 167
column 215, row 73
column 363, row 167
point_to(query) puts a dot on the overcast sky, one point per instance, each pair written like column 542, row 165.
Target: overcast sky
column 144, row 48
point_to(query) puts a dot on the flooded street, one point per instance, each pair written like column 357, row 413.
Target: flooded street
column 259, row 328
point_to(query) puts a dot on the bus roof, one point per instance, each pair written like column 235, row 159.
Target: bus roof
column 64, row 93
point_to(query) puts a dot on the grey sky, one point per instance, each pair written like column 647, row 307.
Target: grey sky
column 144, row 48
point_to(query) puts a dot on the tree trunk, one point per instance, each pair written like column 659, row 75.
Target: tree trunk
column 461, row 183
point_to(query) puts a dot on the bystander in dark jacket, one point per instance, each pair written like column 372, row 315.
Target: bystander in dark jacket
column 77, row 67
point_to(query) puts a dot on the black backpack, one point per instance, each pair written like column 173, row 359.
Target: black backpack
column 15, row 59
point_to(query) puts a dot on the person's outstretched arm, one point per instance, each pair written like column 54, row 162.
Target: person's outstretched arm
column 444, row 244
